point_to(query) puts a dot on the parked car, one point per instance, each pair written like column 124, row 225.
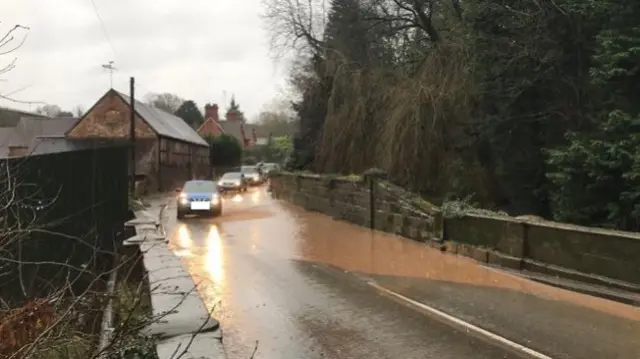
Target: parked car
column 269, row 167
column 200, row 198
column 233, row 181
column 252, row 174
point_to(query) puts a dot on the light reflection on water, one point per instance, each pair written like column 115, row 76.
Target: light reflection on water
column 213, row 260
column 185, row 243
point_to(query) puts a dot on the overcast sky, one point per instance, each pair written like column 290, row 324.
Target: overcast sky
column 197, row 49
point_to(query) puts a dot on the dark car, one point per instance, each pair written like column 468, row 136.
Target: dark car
column 252, row 174
column 232, row 181
column 200, row 198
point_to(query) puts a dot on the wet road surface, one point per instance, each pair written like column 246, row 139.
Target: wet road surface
column 295, row 282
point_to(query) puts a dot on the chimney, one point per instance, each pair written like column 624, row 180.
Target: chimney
column 232, row 116
column 211, row 111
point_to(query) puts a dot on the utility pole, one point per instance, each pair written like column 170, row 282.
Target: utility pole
column 109, row 67
column 132, row 133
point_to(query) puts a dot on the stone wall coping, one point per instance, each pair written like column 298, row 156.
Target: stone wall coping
column 316, row 176
column 559, row 226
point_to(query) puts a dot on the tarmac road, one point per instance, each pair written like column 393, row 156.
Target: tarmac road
column 296, row 283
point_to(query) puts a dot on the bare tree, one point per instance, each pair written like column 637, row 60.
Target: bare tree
column 280, row 104
column 165, row 101
column 408, row 14
column 49, row 110
column 295, row 25
column 78, row 111
column 10, row 41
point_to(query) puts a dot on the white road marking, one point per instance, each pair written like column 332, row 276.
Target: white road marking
column 466, row 325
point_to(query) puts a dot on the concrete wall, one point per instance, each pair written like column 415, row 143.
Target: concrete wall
column 588, row 254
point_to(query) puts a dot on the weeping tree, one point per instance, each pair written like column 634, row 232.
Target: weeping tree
column 528, row 106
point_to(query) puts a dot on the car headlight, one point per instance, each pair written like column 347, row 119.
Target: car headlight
column 214, row 198
column 183, row 198
column 220, row 183
column 237, row 183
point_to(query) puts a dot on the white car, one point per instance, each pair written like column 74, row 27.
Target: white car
column 252, row 175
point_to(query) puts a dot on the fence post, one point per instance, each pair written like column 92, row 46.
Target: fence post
column 371, row 177
column 372, row 202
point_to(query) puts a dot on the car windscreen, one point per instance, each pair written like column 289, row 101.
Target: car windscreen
column 199, row 186
column 232, row 176
column 249, row 169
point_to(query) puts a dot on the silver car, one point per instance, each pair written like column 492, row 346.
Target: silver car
column 200, row 198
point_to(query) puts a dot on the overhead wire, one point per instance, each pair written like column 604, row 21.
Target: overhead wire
column 104, row 28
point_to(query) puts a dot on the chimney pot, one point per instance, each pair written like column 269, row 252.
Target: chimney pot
column 211, row 111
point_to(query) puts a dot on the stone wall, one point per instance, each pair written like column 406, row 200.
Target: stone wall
column 587, row 254
column 582, row 253
column 349, row 199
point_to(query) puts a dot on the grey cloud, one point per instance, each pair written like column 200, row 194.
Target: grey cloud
column 193, row 48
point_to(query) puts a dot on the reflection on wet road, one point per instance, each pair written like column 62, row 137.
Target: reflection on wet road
column 296, row 282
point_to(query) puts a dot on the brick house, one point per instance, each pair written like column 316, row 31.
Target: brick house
column 211, row 126
column 247, row 134
column 168, row 150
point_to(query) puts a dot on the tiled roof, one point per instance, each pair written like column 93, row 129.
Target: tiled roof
column 33, row 127
column 233, row 128
column 29, row 129
column 260, row 131
column 10, row 117
column 164, row 123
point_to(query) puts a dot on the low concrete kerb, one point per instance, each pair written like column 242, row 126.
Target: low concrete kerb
column 185, row 329
column 161, row 227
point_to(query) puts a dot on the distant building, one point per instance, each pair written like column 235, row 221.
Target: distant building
column 10, row 117
column 23, row 138
column 211, row 125
column 247, row 134
column 168, row 150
